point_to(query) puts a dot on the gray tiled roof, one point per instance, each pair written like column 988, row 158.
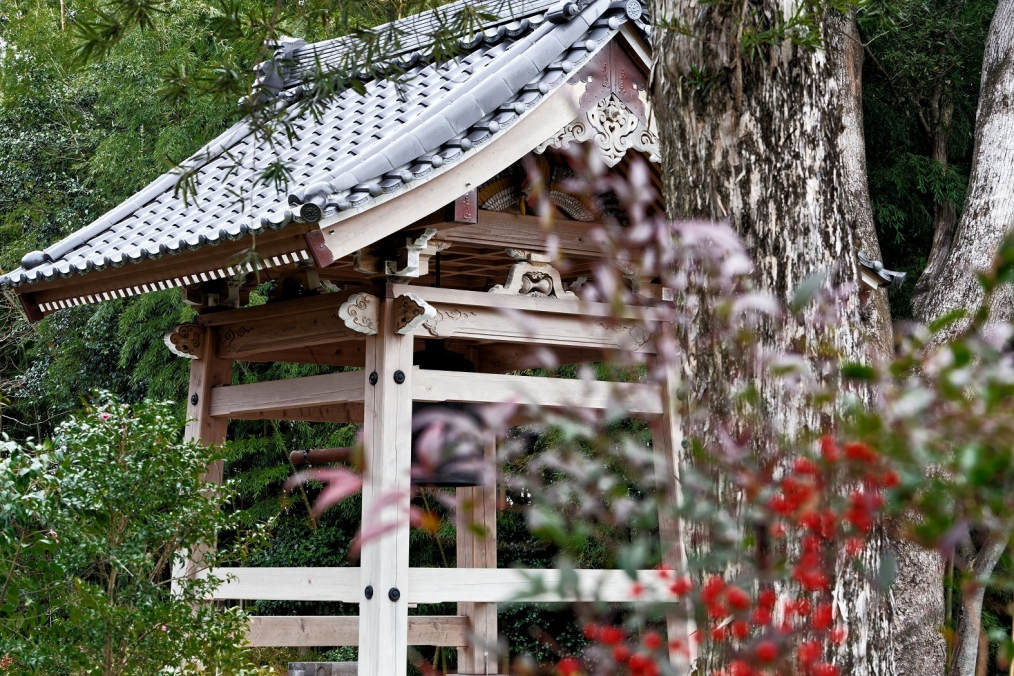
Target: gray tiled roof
column 360, row 147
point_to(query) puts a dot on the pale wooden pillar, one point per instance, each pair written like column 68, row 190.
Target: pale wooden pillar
column 387, row 442
column 477, row 505
column 667, row 440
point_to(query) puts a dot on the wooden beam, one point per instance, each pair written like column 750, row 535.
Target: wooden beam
column 353, row 230
column 283, row 326
column 345, row 353
column 387, row 451
column 267, row 631
column 441, row 585
column 488, row 388
column 499, row 230
column 534, row 304
column 351, row 412
column 264, row 400
column 503, row 358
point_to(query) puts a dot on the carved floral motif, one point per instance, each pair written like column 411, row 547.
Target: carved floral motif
column 410, row 312
column 361, row 313
column 186, row 340
column 453, row 315
column 613, row 127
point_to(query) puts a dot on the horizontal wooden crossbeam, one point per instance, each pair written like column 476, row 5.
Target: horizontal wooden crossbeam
column 439, row 585
column 488, row 388
column 448, row 631
column 275, row 397
column 338, row 397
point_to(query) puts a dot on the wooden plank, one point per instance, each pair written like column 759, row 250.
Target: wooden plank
column 497, row 229
column 564, row 306
column 282, row 329
column 387, row 450
column 345, row 353
column 667, row 447
column 350, row 231
column 489, row 324
column 519, row 356
column 259, row 399
column 440, row 585
column 325, row 302
column 477, row 512
column 351, row 412
column 488, row 388
column 267, row 631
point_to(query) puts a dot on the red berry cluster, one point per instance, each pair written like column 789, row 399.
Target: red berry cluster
column 640, row 660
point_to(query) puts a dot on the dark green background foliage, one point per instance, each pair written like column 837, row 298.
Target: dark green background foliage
column 76, row 138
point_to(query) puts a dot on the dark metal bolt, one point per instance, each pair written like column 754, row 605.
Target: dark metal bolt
column 193, row 400
column 394, row 594
column 369, row 592
column 374, row 378
column 399, row 378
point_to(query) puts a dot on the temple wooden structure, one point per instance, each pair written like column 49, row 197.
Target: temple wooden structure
column 408, row 219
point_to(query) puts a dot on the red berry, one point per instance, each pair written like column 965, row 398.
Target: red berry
column 621, row 653
column 681, row 586
column 718, row 634
column 856, row 450
column 828, row 448
column 823, row 616
column 766, row 651
column 739, row 668
column 809, row 652
column 591, row 631
column 652, row 640
column 825, row 669
column 713, row 586
column 839, row 634
column 740, row 629
column 767, row 598
column 611, row 635
column 890, row 479
column 737, row 598
column 568, row 666
column 804, row 466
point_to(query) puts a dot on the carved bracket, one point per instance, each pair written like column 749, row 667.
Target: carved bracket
column 413, row 258
column 532, row 276
column 411, row 312
column 361, row 312
column 186, row 340
column 612, row 126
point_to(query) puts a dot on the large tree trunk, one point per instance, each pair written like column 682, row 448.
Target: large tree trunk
column 988, row 213
column 757, row 140
column 917, row 592
column 987, row 217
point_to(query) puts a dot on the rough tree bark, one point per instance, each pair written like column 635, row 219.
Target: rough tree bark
column 754, row 137
column 918, row 593
column 987, row 217
column 988, row 213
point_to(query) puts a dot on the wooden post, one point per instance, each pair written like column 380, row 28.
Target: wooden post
column 477, row 511
column 667, row 440
column 387, row 447
column 206, row 372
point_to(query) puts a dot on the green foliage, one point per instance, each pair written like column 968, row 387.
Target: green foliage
column 920, row 93
column 95, row 527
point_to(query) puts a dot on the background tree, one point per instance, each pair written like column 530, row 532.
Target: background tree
column 94, row 535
